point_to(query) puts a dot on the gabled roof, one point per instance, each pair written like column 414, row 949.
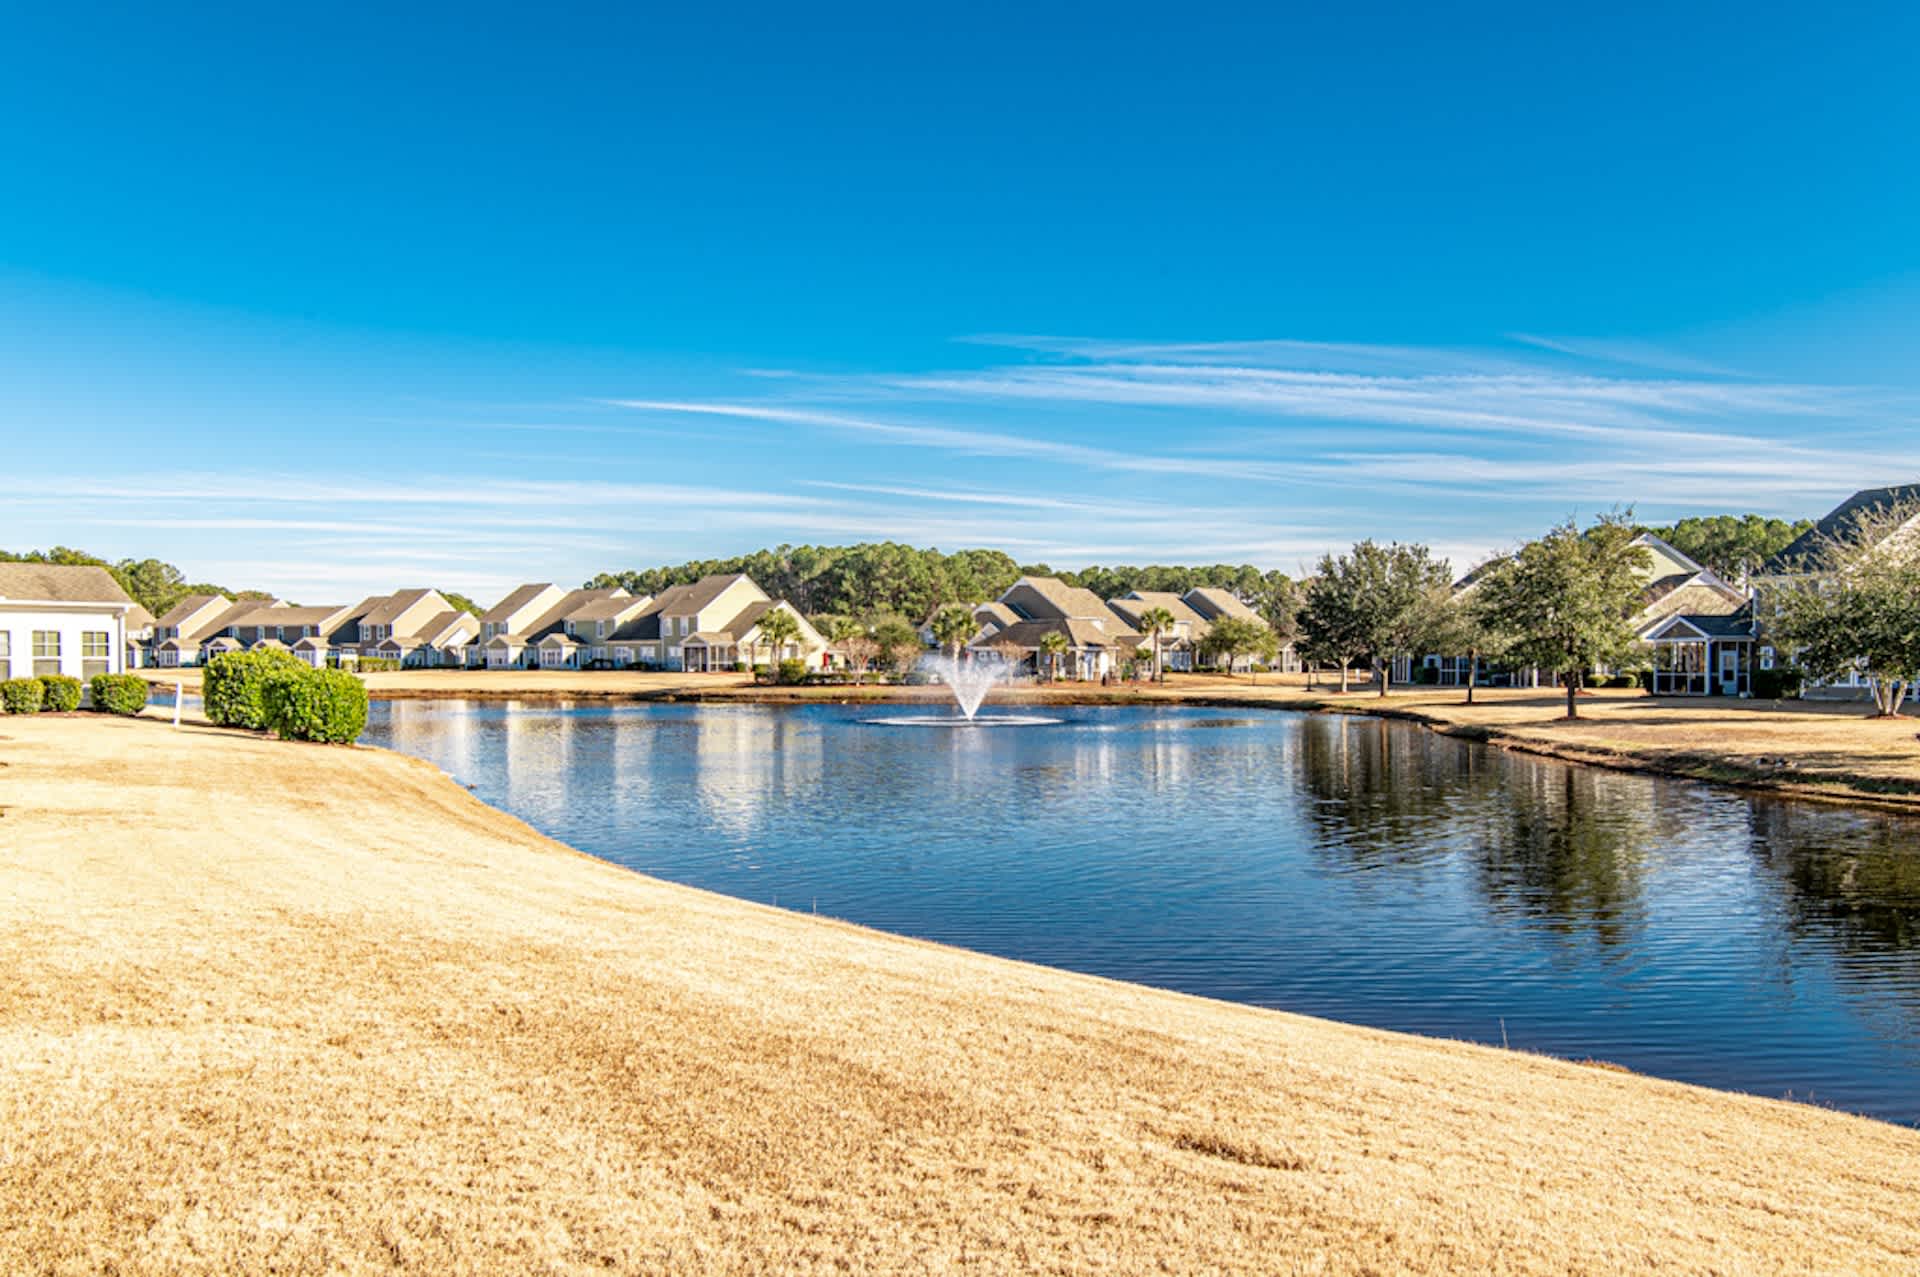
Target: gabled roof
column 644, row 628
column 684, row 599
column 1214, row 603
column 1079, row 633
column 447, row 626
column 59, row 583
column 557, row 615
column 613, row 607
column 1732, row 625
column 186, row 609
column 997, row 612
column 1842, row 524
column 1140, row 602
column 226, row 620
column 138, row 618
column 393, row 606
column 515, row 601
column 738, row 627
column 1057, row 598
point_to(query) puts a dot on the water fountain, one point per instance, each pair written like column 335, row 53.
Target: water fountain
column 969, row 681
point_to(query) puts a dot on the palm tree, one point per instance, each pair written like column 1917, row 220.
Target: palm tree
column 952, row 626
column 779, row 628
column 1155, row 622
column 1055, row 645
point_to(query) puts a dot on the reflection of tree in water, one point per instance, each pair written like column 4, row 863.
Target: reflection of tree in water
column 1564, row 844
column 1849, row 878
column 1381, row 792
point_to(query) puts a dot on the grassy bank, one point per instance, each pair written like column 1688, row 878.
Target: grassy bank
column 1809, row 749
column 270, row 1006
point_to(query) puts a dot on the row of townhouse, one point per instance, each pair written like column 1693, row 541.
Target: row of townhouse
column 712, row 624
column 1100, row 636
column 1705, row 635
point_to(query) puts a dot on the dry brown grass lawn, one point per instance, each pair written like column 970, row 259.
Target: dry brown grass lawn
column 270, row 1007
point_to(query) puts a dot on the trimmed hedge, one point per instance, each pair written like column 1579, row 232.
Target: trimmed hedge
column 123, row 694
column 792, row 671
column 22, row 695
column 317, row 705
column 232, row 683
column 59, row 693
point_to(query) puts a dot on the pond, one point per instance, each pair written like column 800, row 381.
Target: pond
column 1352, row 868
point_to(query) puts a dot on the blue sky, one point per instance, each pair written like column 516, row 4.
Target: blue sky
column 337, row 301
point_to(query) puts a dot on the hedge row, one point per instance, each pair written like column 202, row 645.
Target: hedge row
column 276, row 692
column 60, row 693
column 124, row 694
column 233, row 686
column 317, row 705
column 22, row 695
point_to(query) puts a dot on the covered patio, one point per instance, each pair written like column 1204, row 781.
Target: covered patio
column 1702, row 656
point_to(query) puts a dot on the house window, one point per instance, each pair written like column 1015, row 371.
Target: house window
column 6, row 652
column 1766, row 658
column 96, row 653
column 46, row 651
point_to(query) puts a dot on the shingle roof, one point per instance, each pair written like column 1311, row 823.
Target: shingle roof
column 1079, row 633
column 1214, row 603
column 692, row 598
column 750, row 617
column 181, row 612
column 317, row 615
column 138, row 618
column 393, row 606
column 59, row 583
column 1140, row 602
column 998, row 611
column 567, row 605
column 1841, row 524
column 608, row 608
column 226, row 619
column 442, row 626
column 518, row 599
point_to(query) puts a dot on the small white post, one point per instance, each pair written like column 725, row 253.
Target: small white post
column 179, row 694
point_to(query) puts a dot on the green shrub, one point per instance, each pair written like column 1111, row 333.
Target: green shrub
column 231, row 686
column 59, row 693
column 377, row 665
column 124, row 694
column 22, row 695
column 1779, row 684
column 793, row 671
column 316, row 705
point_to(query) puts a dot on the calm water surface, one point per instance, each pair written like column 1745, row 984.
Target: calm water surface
column 1360, row 870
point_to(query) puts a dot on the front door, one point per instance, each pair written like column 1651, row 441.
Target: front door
column 1730, row 670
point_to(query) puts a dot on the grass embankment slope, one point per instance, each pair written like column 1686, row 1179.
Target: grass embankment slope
column 276, row 1007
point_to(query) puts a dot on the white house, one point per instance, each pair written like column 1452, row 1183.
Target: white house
column 61, row 620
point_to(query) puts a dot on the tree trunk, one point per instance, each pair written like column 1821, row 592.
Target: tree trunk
column 1573, row 690
column 1381, row 670
column 1473, row 671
